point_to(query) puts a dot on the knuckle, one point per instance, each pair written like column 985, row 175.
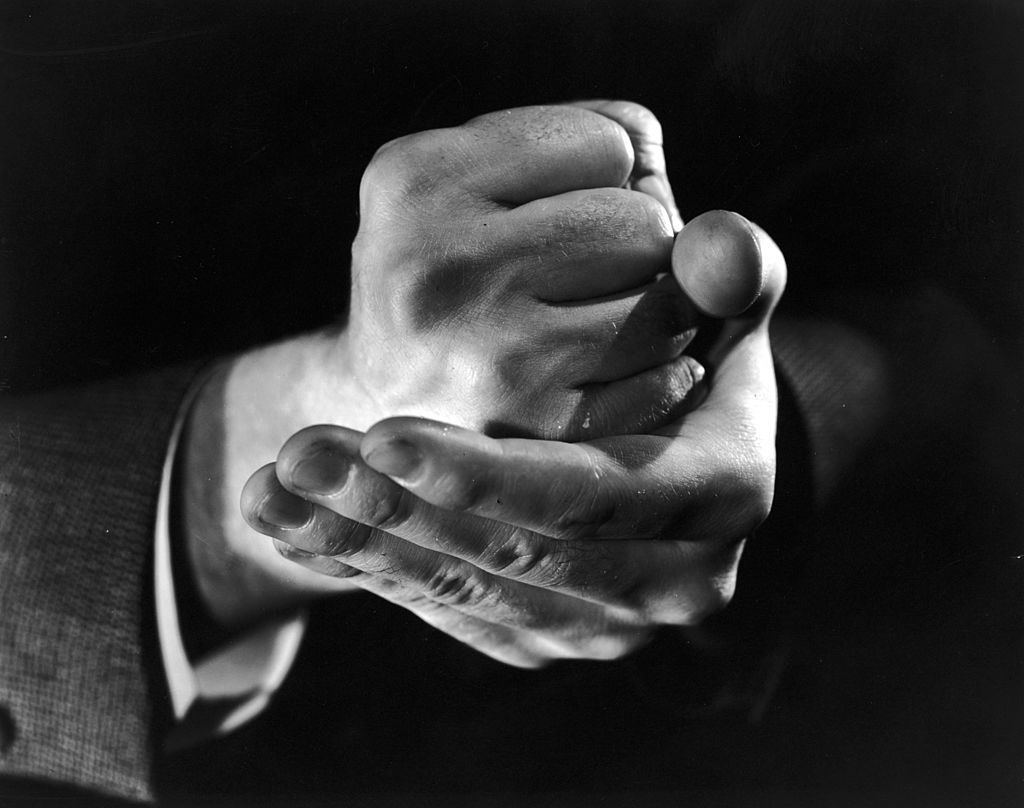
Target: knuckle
column 412, row 167
column 514, row 559
column 524, row 560
column 584, row 516
column 454, row 587
column 396, row 160
column 380, row 171
column 389, row 510
column 460, row 490
column 346, row 539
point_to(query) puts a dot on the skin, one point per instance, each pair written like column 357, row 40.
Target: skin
column 531, row 550
column 526, row 547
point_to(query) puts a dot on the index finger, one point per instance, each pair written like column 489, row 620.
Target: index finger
column 519, row 155
column 642, row 486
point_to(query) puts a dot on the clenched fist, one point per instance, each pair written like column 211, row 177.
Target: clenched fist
column 507, row 277
column 510, row 275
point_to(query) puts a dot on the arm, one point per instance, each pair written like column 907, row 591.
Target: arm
column 76, row 561
column 115, row 436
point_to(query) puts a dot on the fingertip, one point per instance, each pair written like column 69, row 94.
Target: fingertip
column 645, row 402
column 718, row 262
column 317, row 460
column 257, row 488
column 611, row 117
column 267, row 506
column 413, row 430
column 309, row 438
column 382, row 434
column 445, row 465
column 399, row 459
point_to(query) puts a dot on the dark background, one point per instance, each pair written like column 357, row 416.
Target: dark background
column 178, row 179
column 169, row 166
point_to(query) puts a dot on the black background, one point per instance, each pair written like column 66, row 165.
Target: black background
column 179, row 179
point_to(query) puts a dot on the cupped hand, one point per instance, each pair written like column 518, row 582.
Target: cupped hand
column 533, row 550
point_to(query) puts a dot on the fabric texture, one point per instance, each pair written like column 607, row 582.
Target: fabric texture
column 80, row 475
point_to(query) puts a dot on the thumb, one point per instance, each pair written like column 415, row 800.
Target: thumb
column 728, row 266
column 731, row 269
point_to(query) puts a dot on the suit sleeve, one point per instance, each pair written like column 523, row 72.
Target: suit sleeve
column 80, row 684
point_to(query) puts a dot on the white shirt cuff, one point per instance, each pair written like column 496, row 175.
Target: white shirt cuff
column 240, row 677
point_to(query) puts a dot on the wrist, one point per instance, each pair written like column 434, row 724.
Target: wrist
column 241, row 417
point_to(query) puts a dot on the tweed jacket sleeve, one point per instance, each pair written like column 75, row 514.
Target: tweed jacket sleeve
column 79, row 680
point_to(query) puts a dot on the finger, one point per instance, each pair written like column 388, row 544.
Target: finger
column 519, row 155
column 642, row 486
column 331, row 530
column 717, row 259
column 594, row 242
column 649, row 175
column 510, row 646
column 744, row 395
column 272, row 510
column 657, row 582
column 645, row 402
column 641, row 403
column 520, row 649
column 557, row 489
column 618, row 336
column 321, row 464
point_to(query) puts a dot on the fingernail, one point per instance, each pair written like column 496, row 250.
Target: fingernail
column 290, row 550
column 396, row 458
column 286, row 511
column 323, row 472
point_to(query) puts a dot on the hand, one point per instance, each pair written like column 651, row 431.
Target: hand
column 533, row 550
column 503, row 279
